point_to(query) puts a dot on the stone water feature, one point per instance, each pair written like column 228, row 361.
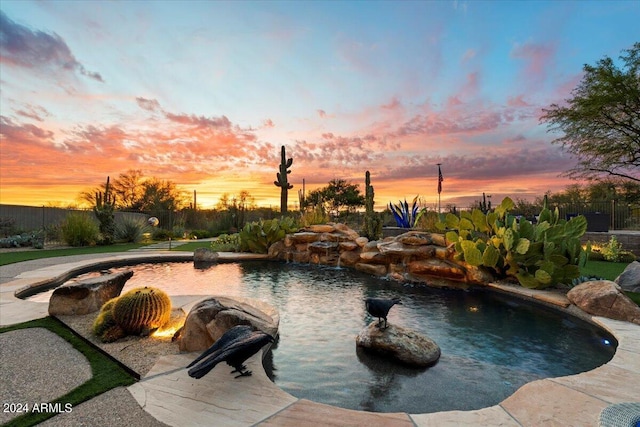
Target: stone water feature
column 414, row 256
column 422, row 257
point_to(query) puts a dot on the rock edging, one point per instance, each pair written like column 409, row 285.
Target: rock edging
column 414, row 256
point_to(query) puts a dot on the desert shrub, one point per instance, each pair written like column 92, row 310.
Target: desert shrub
column 226, row 243
column 162, row 234
column 611, row 250
column 79, row 230
column 53, row 233
column 628, row 257
column 131, row 230
column 199, row 234
column 595, row 255
column 35, row 240
column 179, row 232
column 317, row 215
column 7, row 226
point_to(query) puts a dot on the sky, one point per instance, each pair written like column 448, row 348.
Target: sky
column 204, row 94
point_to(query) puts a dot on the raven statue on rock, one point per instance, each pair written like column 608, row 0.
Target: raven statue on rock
column 234, row 347
column 379, row 307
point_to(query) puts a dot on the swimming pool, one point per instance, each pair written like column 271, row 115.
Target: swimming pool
column 491, row 344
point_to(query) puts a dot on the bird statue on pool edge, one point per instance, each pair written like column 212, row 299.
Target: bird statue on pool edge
column 234, row 347
column 379, row 307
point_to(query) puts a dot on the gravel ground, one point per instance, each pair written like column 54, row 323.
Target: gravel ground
column 37, row 367
column 115, row 408
column 137, row 353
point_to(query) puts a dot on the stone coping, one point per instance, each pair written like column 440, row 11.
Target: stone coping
column 171, row 396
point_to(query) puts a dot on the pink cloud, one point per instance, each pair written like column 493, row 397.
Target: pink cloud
column 34, row 112
column 148, row 104
column 517, row 101
column 515, row 139
column 538, row 58
column 22, row 47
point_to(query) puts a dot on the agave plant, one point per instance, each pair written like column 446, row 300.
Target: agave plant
column 406, row 217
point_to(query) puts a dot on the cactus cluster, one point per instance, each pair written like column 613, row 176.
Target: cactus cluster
column 282, row 180
column 372, row 227
column 538, row 255
column 137, row 312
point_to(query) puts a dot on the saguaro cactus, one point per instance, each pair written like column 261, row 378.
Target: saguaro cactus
column 372, row 223
column 104, row 211
column 282, row 181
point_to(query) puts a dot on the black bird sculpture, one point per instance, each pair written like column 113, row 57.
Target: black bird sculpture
column 379, row 307
column 234, row 347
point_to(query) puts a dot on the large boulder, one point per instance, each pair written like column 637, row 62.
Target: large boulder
column 209, row 319
column 629, row 279
column 402, row 344
column 88, row 295
column 604, row 298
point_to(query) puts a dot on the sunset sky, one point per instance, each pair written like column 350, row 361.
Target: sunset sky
column 204, row 94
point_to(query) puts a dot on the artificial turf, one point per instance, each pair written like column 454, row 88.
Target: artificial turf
column 106, row 373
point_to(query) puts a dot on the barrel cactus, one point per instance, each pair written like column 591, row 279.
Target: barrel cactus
column 142, row 310
column 105, row 327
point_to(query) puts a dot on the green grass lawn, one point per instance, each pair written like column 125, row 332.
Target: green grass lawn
column 192, row 246
column 107, row 374
column 19, row 256
column 605, row 269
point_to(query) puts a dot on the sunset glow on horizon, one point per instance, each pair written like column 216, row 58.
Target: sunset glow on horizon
column 204, row 94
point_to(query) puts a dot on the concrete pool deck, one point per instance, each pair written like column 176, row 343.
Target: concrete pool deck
column 171, row 397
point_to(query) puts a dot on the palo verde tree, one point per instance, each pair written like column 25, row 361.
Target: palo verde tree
column 601, row 121
column 129, row 190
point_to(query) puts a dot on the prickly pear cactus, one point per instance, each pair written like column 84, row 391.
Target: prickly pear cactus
column 538, row 255
column 140, row 311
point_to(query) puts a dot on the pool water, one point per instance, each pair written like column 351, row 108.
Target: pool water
column 491, row 344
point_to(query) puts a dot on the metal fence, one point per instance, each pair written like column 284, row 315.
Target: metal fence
column 601, row 216
column 15, row 218
column 604, row 216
